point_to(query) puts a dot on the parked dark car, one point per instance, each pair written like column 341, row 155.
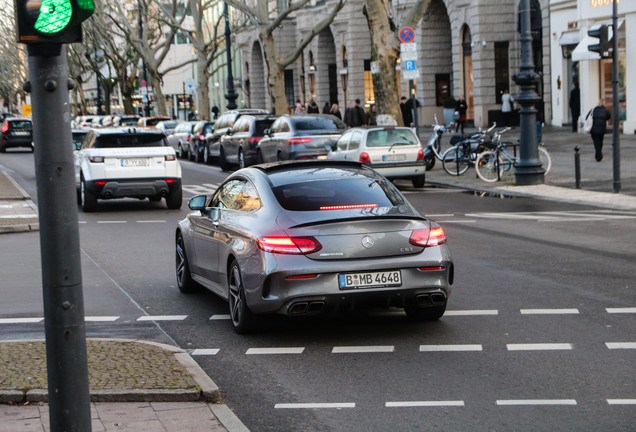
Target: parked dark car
column 304, row 136
column 312, row 237
column 222, row 126
column 238, row 147
column 180, row 138
column 197, row 150
column 16, row 132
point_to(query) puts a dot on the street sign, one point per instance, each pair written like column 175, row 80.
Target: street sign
column 408, row 55
column 407, row 35
column 410, row 74
column 409, row 65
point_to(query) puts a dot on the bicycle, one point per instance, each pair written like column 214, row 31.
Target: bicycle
column 456, row 160
column 491, row 164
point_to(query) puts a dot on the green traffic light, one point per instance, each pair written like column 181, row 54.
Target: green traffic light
column 54, row 16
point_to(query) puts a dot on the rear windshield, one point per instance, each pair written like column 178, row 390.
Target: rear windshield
column 389, row 137
column 78, row 137
column 317, row 123
column 141, row 140
column 153, row 122
column 20, row 124
column 337, row 194
column 170, row 125
column 260, row 126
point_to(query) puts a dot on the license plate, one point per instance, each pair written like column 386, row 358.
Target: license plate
column 20, row 133
column 370, row 280
column 321, row 157
column 135, row 162
column 394, row 157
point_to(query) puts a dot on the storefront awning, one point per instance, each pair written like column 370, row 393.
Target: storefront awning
column 569, row 38
column 582, row 53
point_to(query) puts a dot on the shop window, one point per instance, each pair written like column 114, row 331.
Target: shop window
column 502, row 74
column 442, row 88
column 289, row 87
column 369, row 95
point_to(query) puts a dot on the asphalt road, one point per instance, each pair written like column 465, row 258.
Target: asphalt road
column 533, row 338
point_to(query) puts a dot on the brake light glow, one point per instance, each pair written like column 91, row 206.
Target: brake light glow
column 348, row 207
column 365, row 158
column 303, row 140
column 430, row 268
column 289, row 245
column 420, row 154
column 255, row 139
column 171, row 157
column 428, row 237
column 201, row 137
column 5, row 127
column 96, row 159
column 309, row 276
column 100, row 182
column 170, row 180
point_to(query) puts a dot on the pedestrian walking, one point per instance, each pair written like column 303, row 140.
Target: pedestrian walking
column 347, row 114
column 358, row 117
column 507, row 104
column 461, row 106
column 334, row 111
column 575, row 105
column 313, row 108
column 215, row 112
column 407, row 114
column 326, row 107
column 299, row 108
column 600, row 116
column 372, row 116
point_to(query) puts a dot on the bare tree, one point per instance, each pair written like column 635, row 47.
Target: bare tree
column 13, row 65
column 275, row 61
column 385, row 50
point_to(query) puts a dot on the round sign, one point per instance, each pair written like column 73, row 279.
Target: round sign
column 407, row 35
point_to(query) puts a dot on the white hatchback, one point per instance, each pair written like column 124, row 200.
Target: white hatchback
column 127, row 162
column 395, row 152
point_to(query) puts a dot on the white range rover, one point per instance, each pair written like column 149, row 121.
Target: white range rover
column 127, row 162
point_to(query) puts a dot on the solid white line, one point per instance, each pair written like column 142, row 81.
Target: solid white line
column 471, row 312
column 549, row 311
column 101, row 318
column 362, row 349
column 20, row 320
column 282, row 350
column 423, row 404
column 162, row 318
column 151, row 221
column 205, row 351
column 539, row 347
column 315, row 405
column 621, row 401
column 621, row 310
column 621, row 345
column 220, row 317
column 513, row 402
column 445, row 348
column 111, row 222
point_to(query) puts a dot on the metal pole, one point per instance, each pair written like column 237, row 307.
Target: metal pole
column 529, row 170
column 616, row 151
column 231, row 94
column 577, row 167
column 66, row 359
column 145, row 73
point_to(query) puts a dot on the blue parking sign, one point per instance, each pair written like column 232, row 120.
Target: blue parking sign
column 409, row 65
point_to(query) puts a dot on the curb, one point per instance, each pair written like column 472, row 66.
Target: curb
column 22, row 193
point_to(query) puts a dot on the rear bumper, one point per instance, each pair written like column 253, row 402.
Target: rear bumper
column 133, row 188
column 397, row 170
column 8, row 142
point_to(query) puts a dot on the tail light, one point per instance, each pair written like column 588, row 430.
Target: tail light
column 171, row 157
column 201, row 137
column 303, row 140
column 255, row 139
column 365, row 158
column 96, row 159
column 420, row 154
column 289, row 245
column 5, row 127
column 189, row 136
column 428, row 237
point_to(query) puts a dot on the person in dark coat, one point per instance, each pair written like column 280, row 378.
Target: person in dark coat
column 372, row 116
column 358, row 117
column 334, row 111
column 407, row 114
column 325, row 108
column 600, row 116
column 313, row 108
column 461, row 106
column 215, row 111
column 575, row 106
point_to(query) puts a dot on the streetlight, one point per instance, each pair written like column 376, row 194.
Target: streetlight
column 231, row 94
column 529, row 170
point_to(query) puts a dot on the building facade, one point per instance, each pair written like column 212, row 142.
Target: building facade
column 572, row 61
column 464, row 47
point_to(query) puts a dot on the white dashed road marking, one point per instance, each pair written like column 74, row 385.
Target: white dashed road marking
column 450, row 348
column 205, row 351
column 629, row 310
column 621, row 345
column 549, row 311
column 111, row 222
column 162, row 318
column 621, row 401
column 220, row 317
column 410, row 404
column 281, row 350
column 20, row 320
column 363, row 349
column 101, row 318
column 518, row 402
column 471, row 312
column 315, row 405
column 539, row 347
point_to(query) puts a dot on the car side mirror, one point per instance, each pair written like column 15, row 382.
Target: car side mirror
column 229, row 131
column 197, row 202
column 267, row 132
column 78, row 146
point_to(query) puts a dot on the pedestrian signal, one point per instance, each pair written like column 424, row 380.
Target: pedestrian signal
column 51, row 21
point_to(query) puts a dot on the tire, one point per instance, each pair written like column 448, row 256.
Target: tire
column 182, row 268
column 206, row 156
column 418, row 181
column 430, row 313
column 225, row 166
column 88, row 200
column 243, row 320
column 175, row 199
column 3, row 149
column 198, row 156
column 545, row 159
column 429, row 161
column 279, row 156
column 488, row 168
column 190, row 156
column 455, row 162
column 180, row 152
column 241, row 159
column 259, row 157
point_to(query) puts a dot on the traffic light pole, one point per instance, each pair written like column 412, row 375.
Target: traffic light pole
column 66, row 358
column 616, row 150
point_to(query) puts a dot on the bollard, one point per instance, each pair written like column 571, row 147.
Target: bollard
column 577, row 167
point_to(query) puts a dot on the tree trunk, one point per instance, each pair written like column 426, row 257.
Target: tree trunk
column 275, row 76
column 160, row 100
column 202, row 88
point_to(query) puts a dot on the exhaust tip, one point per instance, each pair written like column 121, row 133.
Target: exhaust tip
column 315, row 307
column 438, row 298
column 298, row 308
column 423, row 300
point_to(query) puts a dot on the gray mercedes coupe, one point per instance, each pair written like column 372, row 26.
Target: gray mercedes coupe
column 312, row 237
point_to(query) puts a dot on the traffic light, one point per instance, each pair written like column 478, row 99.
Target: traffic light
column 602, row 47
column 51, row 21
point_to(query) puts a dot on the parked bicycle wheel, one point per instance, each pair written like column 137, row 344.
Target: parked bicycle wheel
column 545, row 159
column 456, row 160
column 489, row 166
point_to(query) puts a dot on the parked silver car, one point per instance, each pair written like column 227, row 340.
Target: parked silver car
column 305, row 136
column 312, row 237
